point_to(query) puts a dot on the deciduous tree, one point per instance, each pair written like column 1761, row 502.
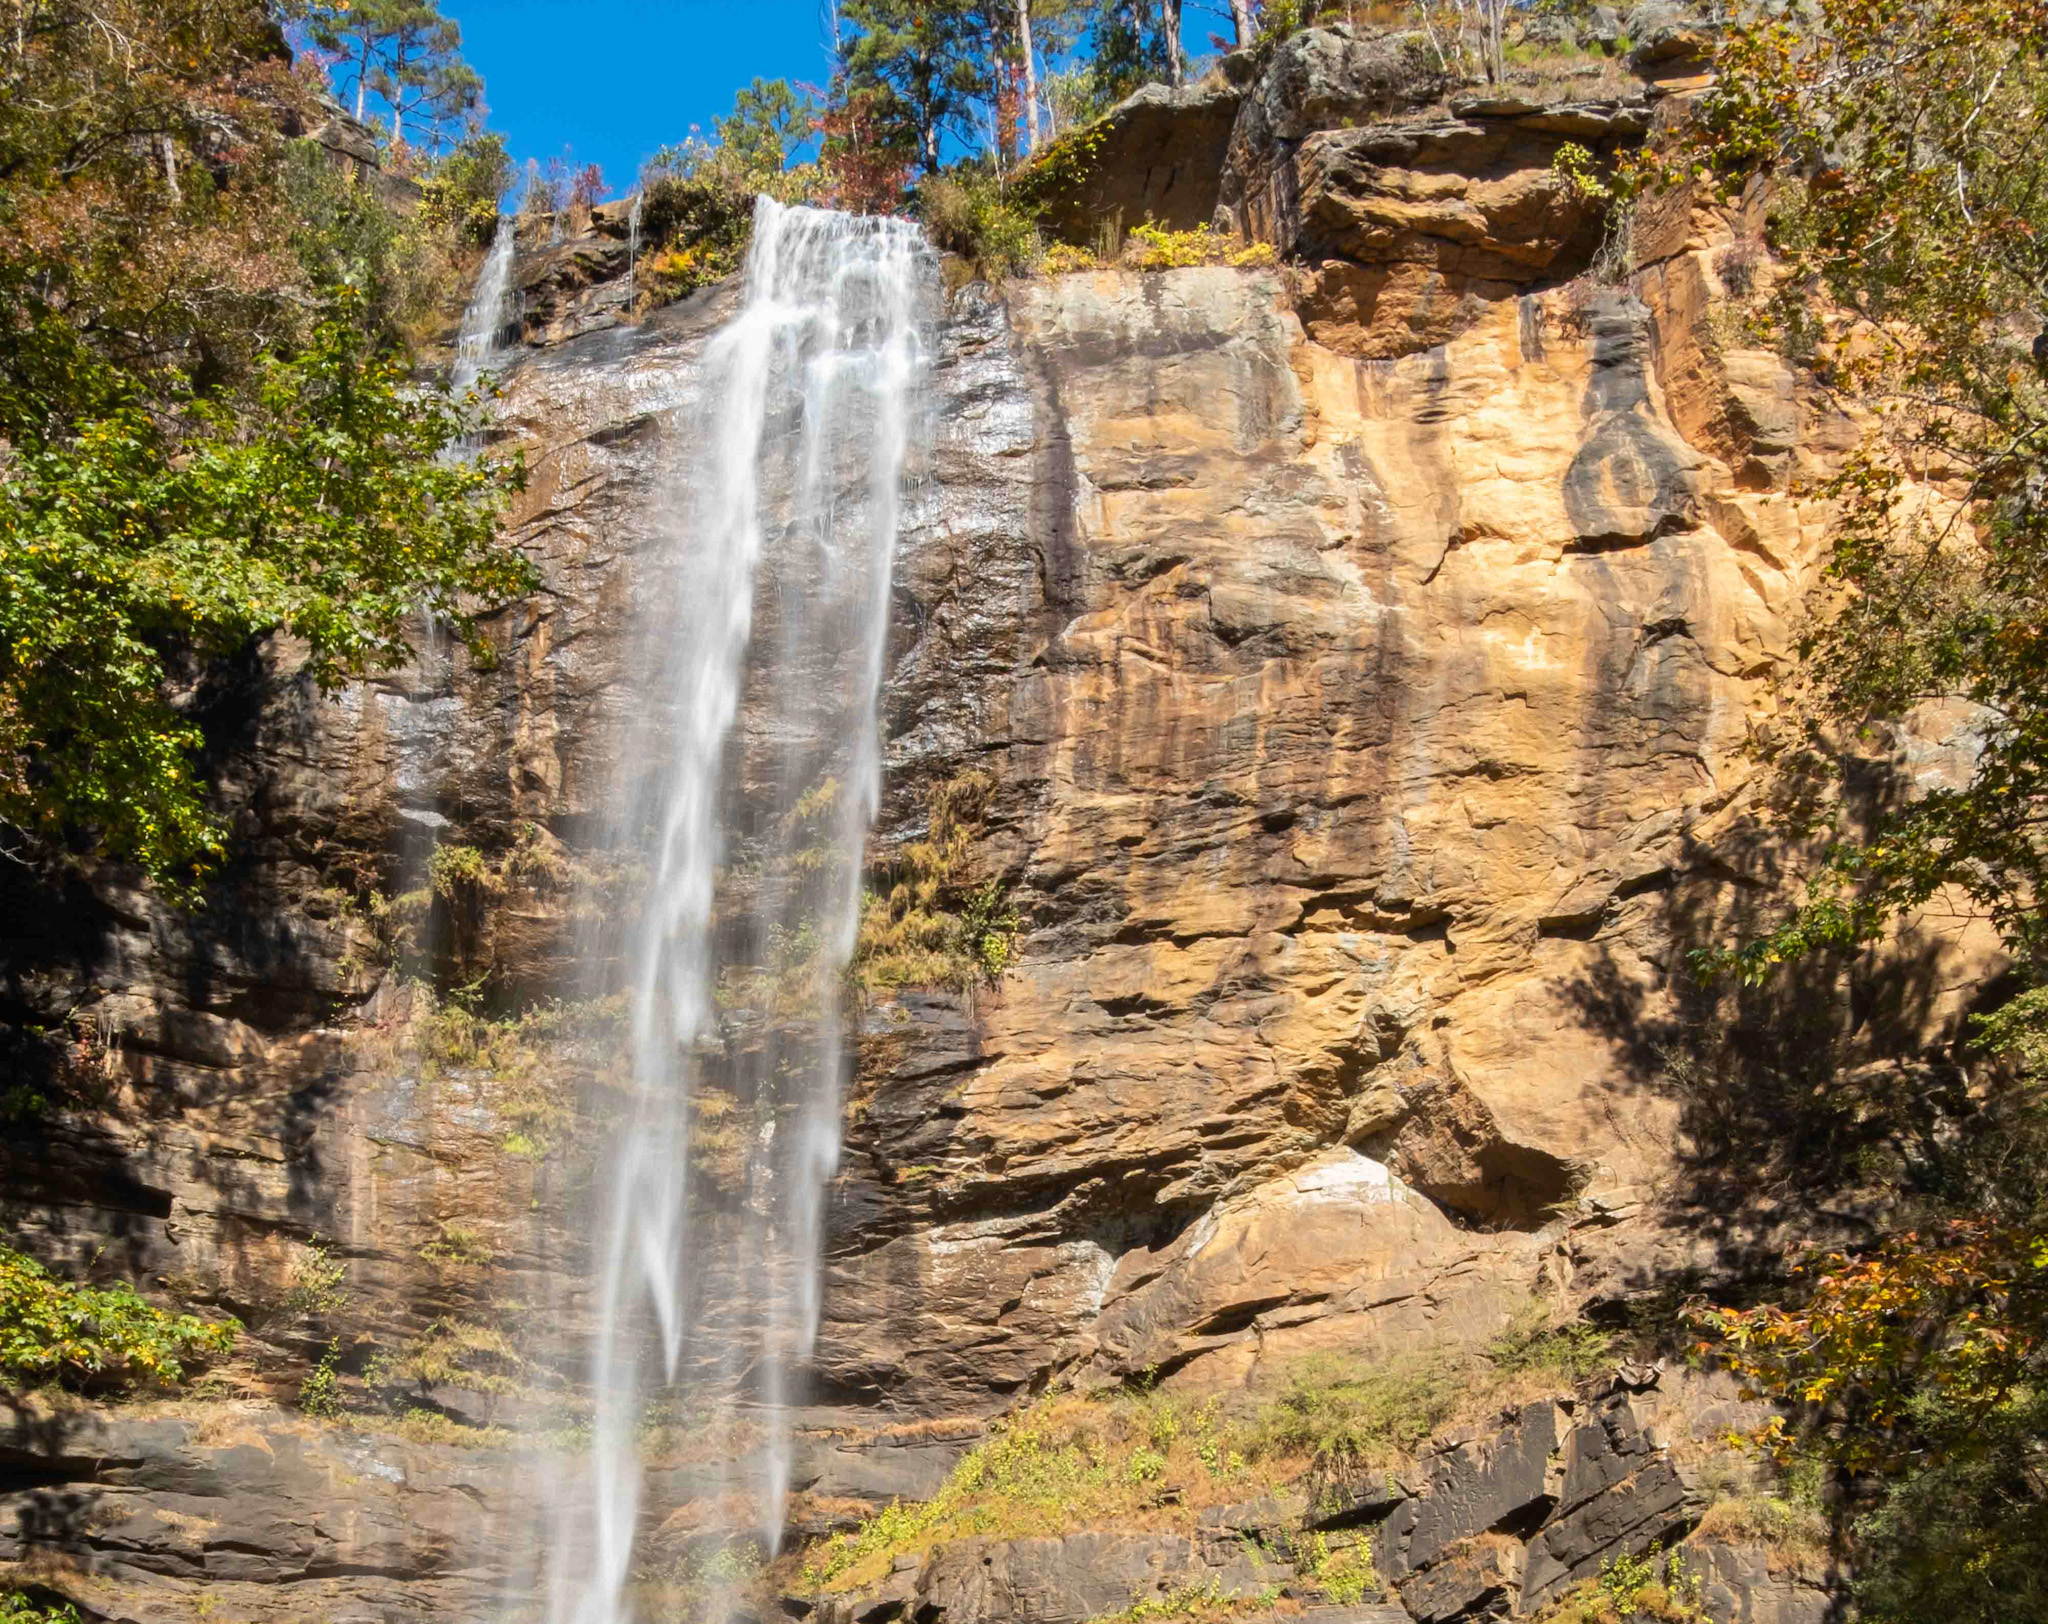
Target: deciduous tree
column 1901, row 156
column 207, row 428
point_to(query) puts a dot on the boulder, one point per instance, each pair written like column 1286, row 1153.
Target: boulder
column 1156, row 156
column 1339, row 1239
column 1601, row 28
column 1473, row 1579
column 1669, row 39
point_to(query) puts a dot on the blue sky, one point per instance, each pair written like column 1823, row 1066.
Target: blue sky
column 612, row 80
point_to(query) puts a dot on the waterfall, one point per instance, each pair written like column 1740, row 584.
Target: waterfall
column 424, row 726
column 749, row 782
column 481, row 340
column 632, row 249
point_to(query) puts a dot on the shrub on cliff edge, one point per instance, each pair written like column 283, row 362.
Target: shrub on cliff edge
column 88, row 1335
column 21, row 1608
column 970, row 213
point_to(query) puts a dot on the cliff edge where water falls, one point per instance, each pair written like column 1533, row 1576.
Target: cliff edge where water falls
column 1333, row 682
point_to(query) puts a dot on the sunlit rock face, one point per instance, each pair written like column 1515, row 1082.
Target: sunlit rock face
column 1367, row 718
column 1362, row 655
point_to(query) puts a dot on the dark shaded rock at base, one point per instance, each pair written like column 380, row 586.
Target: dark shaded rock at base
column 1493, row 1481
column 1620, row 1494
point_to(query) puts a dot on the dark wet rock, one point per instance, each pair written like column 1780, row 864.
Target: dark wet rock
column 1500, row 1480
column 1619, row 1495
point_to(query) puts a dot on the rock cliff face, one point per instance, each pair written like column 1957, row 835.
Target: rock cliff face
column 1362, row 656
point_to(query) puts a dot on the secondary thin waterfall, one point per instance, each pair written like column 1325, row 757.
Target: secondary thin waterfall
column 633, row 252
column 753, row 776
column 423, row 727
column 480, row 341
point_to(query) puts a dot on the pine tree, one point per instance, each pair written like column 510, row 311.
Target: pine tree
column 405, row 54
column 930, row 56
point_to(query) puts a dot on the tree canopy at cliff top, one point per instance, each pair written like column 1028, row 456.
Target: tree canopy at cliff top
column 206, row 428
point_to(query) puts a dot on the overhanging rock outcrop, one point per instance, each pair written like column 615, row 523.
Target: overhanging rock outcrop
column 1409, row 201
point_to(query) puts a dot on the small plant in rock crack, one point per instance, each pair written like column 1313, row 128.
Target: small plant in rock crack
column 313, row 1288
column 320, row 1392
column 1344, row 1574
column 1632, row 1588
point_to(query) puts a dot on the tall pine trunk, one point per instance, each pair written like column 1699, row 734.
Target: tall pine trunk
column 1241, row 15
column 1176, row 69
column 1030, row 72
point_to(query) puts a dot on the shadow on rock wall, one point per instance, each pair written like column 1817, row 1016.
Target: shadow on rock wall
column 1809, row 1106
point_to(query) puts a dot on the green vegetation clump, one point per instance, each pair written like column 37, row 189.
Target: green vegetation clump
column 536, row 1060
column 313, row 1284
column 1532, row 1345
column 483, row 946
column 1348, row 1414
column 322, row 504
column 1341, row 1568
column 694, row 1584
column 697, row 196
column 1154, row 248
column 1192, row 1601
column 461, row 191
column 452, row 1352
column 51, row 1330
column 1149, row 1458
column 320, row 1394
column 1749, row 1502
column 458, row 1249
column 20, row 1608
column 1634, row 1590
column 928, row 923
column 212, row 425
column 969, row 212
column 1959, row 1535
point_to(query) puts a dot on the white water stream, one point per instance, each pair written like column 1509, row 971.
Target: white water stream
column 480, row 341
column 753, row 774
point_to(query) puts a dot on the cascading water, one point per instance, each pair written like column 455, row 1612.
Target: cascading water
column 751, row 777
column 425, row 718
column 480, row 341
column 632, row 251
